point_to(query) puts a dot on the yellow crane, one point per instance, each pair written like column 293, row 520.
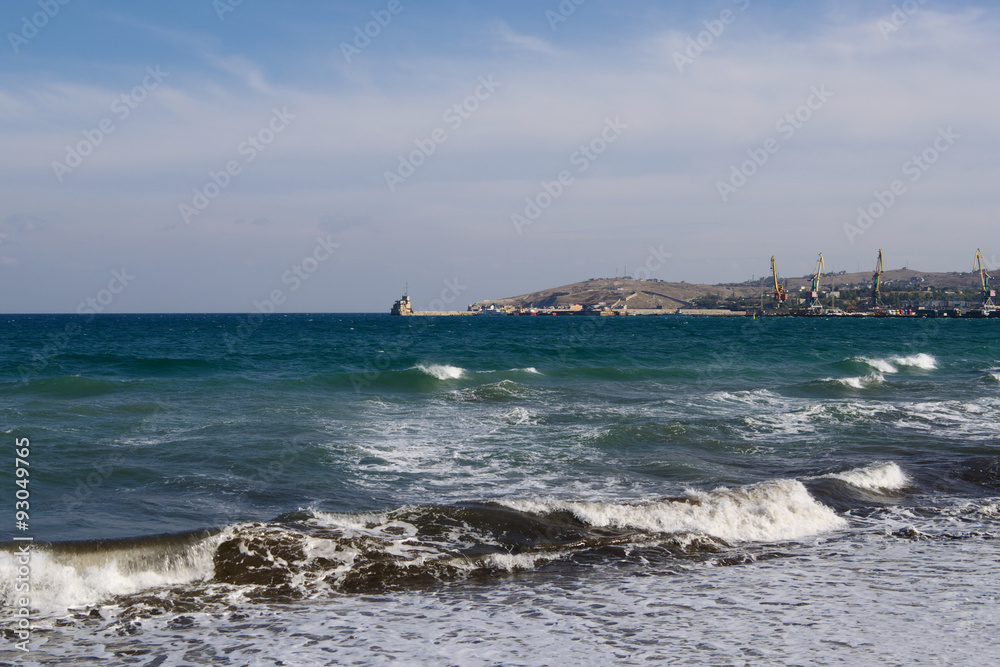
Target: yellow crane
column 814, row 303
column 877, row 284
column 984, row 278
column 779, row 291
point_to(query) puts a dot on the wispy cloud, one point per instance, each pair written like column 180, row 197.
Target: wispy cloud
column 242, row 68
column 522, row 42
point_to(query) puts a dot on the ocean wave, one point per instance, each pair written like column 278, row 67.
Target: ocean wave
column 760, row 397
column 310, row 554
column 920, row 360
column 635, row 433
column 530, row 370
column 799, row 421
column 496, row 392
column 862, row 382
column 79, row 574
column 71, row 386
column 441, row 371
column 973, row 419
column 765, row 512
column 881, row 477
column 880, row 365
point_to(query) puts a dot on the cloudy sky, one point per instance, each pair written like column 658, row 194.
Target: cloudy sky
column 200, row 156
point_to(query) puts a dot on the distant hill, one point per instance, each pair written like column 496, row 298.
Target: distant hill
column 655, row 294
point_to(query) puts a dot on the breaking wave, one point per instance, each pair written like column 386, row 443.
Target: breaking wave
column 310, row 554
column 920, row 360
column 883, row 477
column 76, row 574
column 766, row 512
column 441, row 371
column 865, row 382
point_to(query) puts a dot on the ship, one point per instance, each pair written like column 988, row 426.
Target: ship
column 402, row 307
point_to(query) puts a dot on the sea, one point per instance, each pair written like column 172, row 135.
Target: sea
column 337, row 489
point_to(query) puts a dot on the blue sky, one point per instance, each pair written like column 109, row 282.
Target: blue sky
column 246, row 159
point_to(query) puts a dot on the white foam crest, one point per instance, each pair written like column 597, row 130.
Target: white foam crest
column 919, row 360
column 796, row 422
column 60, row 582
column 990, row 510
column 441, row 371
column 529, row 369
column 519, row 416
column 977, row 419
column 854, row 410
column 766, row 512
column 513, row 562
column 761, row 397
column 878, row 477
column 350, row 522
column 358, row 536
column 862, row 382
column 881, row 365
column 398, row 536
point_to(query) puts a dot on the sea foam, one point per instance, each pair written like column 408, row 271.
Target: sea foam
column 870, row 380
column 442, row 371
column 920, row 360
column 881, row 477
column 79, row 578
column 765, row 512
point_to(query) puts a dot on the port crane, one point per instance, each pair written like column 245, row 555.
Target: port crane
column 779, row 291
column 988, row 293
column 814, row 303
column 877, row 284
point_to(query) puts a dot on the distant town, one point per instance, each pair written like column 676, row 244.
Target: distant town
column 881, row 293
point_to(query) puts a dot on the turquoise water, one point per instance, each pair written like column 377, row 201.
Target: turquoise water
column 195, row 474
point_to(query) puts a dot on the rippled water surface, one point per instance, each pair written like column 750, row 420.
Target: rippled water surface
column 336, row 489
